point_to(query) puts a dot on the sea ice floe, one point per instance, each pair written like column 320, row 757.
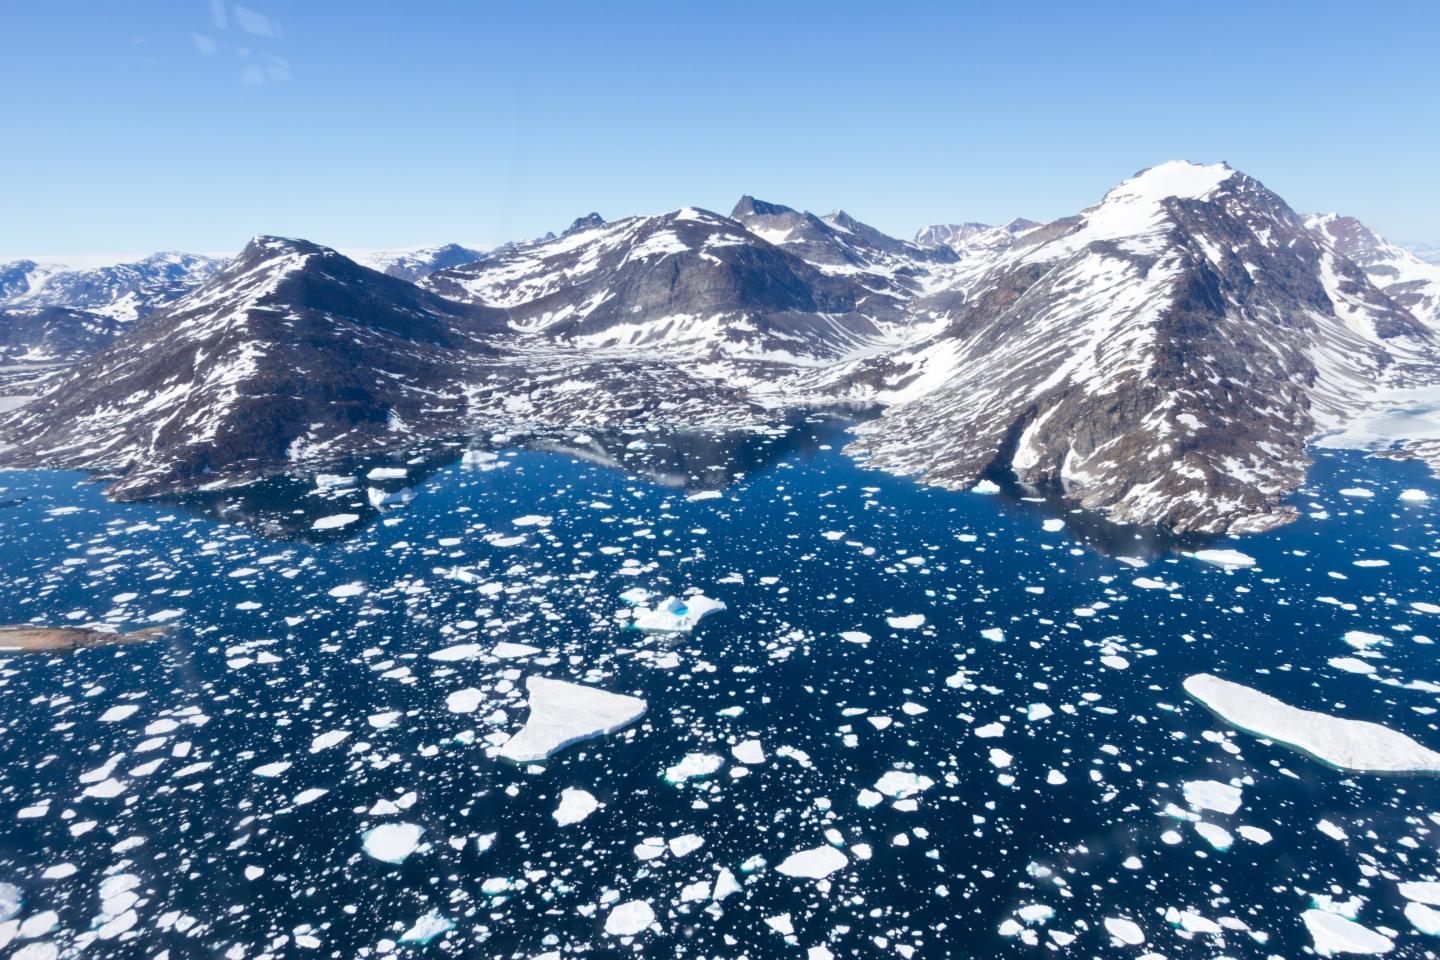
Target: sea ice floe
column 467, row 700
column 814, row 864
column 575, row 805
column 562, row 713
column 335, row 521
column 427, row 928
column 630, row 918
column 325, row 741
column 694, row 766
column 750, row 752
column 912, row 621
column 504, row 650
column 675, row 615
column 1349, row 744
column 459, row 651
column 1224, row 558
column 1334, row 934
column 1421, row 891
column 1126, row 931
column 901, row 784
column 392, row 842
column 1212, row 795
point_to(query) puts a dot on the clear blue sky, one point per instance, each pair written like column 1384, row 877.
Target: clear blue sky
column 132, row 126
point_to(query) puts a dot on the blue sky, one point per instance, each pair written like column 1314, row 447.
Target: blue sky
column 187, row 124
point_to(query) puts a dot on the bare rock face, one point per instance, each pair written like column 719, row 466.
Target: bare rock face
column 1163, row 357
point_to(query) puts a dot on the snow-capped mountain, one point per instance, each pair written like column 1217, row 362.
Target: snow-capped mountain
column 690, row 282
column 1163, row 356
column 50, row 312
column 1407, row 279
column 416, row 264
column 290, row 350
column 122, row 291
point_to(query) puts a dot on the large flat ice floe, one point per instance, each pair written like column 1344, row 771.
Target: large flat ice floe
column 563, row 713
column 1334, row 934
column 1348, row 744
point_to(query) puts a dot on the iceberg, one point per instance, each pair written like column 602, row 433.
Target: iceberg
column 562, row 713
column 393, row 498
column 335, row 481
column 1348, row 744
column 676, row 615
column 427, row 928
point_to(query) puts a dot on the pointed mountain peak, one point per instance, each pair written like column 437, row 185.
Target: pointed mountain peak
column 588, row 222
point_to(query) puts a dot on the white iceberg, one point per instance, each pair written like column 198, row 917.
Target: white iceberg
column 676, row 615
column 1348, row 744
column 563, row 713
column 335, row 521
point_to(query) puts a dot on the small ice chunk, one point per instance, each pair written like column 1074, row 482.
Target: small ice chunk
column 386, row 473
column 460, row 651
column 562, row 713
column 467, row 700
column 814, row 864
column 912, row 621
column 505, row 650
column 1053, row 525
column 986, row 486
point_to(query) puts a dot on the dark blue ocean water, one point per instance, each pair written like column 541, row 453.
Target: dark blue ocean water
column 148, row 833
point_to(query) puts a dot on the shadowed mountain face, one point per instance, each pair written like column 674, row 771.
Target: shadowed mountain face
column 1163, row 357
column 417, row 264
column 691, row 281
column 290, row 352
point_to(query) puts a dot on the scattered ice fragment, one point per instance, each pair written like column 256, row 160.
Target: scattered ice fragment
column 467, row 700
column 749, row 752
column 1414, row 496
column 1349, row 744
column 347, row 590
column 911, row 621
column 562, row 713
column 1053, row 525
column 900, row 784
column 505, row 650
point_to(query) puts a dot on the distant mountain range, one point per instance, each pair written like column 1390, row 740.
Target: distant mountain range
column 1162, row 357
